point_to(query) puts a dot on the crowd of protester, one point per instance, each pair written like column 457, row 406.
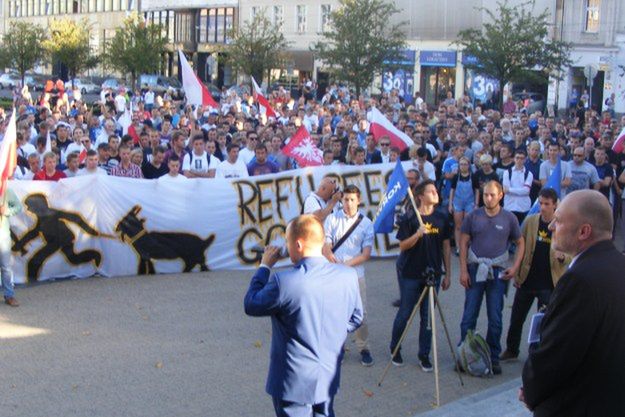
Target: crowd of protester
column 142, row 134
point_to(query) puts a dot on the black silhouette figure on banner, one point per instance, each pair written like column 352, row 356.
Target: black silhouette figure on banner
column 56, row 235
column 161, row 245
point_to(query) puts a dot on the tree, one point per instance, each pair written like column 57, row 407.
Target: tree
column 22, row 47
column 256, row 47
column 136, row 48
column 514, row 45
column 69, row 44
column 360, row 41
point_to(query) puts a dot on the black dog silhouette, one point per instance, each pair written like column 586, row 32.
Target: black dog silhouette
column 161, row 245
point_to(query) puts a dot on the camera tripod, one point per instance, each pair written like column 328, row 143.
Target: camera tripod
column 434, row 302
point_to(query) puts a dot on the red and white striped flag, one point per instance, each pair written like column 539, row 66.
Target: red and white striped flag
column 195, row 92
column 381, row 126
column 8, row 154
column 303, row 150
column 619, row 143
column 263, row 103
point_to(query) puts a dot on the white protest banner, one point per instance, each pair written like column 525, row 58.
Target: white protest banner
column 81, row 226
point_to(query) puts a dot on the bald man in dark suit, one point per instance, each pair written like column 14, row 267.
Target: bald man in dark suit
column 578, row 368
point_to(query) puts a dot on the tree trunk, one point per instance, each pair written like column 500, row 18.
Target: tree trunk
column 500, row 99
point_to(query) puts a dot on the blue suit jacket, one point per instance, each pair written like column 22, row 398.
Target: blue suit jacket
column 312, row 307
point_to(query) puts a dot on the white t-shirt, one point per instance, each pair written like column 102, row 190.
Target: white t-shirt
column 199, row 163
column 227, row 170
column 22, row 173
column 26, row 149
column 120, row 103
column 246, row 155
column 85, row 171
column 149, row 97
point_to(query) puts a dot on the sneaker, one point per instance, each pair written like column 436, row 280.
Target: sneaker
column 365, row 358
column 496, row 369
column 425, row 364
column 508, row 356
column 398, row 360
column 11, row 301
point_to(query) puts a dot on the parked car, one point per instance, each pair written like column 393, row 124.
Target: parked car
column 9, row 80
column 532, row 101
column 35, row 82
column 160, row 84
column 112, row 83
column 84, row 84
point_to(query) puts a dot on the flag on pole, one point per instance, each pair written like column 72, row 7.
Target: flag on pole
column 554, row 181
column 195, row 92
column 8, row 154
column 303, row 150
column 396, row 190
column 262, row 101
column 619, row 143
column 381, row 126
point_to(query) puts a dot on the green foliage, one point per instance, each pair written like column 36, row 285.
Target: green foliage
column 136, row 48
column 514, row 45
column 22, row 47
column 69, row 43
column 361, row 39
column 256, row 47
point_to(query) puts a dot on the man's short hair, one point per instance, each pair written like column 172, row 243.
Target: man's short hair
column 231, row 146
column 422, row 152
column 72, row 156
column 420, row 188
column 359, row 149
column 352, row 189
column 496, row 184
column 177, row 134
column 173, row 157
column 160, row 149
column 48, row 155
column 308, row 228
column 260, row 146
column 520, row 151
column 124, row 147
column 92, row 152
column 197, row 137
column 549, row 193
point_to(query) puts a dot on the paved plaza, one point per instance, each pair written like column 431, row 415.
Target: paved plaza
column 181, row 345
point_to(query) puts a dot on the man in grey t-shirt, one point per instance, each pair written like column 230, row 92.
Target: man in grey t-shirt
column 483, row 264
column 583, row 173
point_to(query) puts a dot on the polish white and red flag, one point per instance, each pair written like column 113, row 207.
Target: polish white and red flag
column 195, row 92
column 82, row 156
column 8, row 154
column 619, row 143
column 263, row 103
column 381, row 126
column 302, row 148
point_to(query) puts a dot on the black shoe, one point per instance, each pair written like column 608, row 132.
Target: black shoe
column 508, row 356
column 425, row 364
column 397, row 303
column 496, row 369
column 398, row 360
column 365, row 358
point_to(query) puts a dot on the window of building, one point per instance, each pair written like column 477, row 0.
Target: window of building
column 212, row 25
column 229, row 24
column 592, row 15
column 203, row 26
column 278, row 16
column 254, row 10
column 326, row 12
column 301, row 18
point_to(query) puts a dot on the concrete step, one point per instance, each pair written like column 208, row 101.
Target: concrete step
column 499, row 401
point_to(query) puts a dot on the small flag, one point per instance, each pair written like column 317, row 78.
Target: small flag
column 619, row 143
column 8, row 154
column 396, row 190
column 303, row 150
column 263, row 103
column 554, row 181
column 381, row 126
column 196, row 92
column 82, row 156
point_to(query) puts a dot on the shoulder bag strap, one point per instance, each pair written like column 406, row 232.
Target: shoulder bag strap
column 348, row 233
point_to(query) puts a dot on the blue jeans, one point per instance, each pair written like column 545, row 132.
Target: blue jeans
column 410, row 290
column 495, row 290
column 5, row 267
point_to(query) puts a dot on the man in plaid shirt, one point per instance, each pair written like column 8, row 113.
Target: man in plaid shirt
column 126, row 168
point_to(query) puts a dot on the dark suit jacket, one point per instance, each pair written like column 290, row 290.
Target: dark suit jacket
column 579, row 367
column 374, row 158
column 312, row 308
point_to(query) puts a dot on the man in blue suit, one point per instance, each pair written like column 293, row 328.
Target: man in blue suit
column 312, row 308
